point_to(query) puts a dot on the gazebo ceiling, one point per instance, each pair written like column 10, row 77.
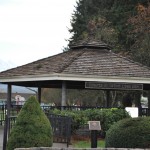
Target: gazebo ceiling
column 86, row 61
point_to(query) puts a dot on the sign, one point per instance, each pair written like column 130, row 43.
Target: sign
column 133, row 111
column 94, row 125
column 112, row 85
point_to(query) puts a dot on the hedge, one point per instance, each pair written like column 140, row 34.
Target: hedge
column 107, row 117
column 129, row 133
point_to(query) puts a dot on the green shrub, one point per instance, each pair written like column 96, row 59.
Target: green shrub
column 32, row 128
column 129, row 133
column 107, row 117
column 112, row 116
column 78, row 117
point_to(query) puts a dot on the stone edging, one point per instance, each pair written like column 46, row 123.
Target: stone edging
column 55, row 148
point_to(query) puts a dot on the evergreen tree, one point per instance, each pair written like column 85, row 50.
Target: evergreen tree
column 115, row 13
column 32, row 128
column 141, row 34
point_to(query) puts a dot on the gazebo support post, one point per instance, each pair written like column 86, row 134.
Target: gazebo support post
column 138, row 102
column 9, row 89
column 39, row 94
column 7, row 117
column 107, row 98
column 63, row 100
column 149, row 103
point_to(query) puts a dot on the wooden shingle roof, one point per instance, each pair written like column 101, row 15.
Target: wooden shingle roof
column 90, row 60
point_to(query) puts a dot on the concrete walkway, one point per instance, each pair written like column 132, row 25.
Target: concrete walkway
column 59, row 145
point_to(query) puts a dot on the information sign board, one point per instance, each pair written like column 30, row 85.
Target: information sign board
column 112, row 85
column 94, row 125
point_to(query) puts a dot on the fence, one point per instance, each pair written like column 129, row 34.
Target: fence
column 61, row 126
column 47, row 109
column 144, row 111
column 3, row 111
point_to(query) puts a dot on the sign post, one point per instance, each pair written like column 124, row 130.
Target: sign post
column 94, row 126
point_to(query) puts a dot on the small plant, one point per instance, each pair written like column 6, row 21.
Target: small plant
column 32, row 128
column 129, row 133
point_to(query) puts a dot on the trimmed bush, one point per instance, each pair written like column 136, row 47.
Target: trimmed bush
column 32, row 128
column 129, row 133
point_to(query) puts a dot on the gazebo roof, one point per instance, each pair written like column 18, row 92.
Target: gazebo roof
column 86, row 61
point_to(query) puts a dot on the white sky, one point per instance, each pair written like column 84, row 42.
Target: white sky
column 32, row 29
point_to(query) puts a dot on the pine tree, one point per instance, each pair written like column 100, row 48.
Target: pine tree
column 32, row 128
column 115, row 13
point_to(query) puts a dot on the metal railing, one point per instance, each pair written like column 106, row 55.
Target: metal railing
column 13, row 112
column 144, row 112
column 47, row 109
column 61, row 127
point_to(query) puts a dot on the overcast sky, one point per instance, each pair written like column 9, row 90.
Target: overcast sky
column 32, row 30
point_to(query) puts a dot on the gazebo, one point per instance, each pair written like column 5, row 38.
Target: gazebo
column 87, row 65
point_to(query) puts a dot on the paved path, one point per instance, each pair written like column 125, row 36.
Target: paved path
column 59, row 145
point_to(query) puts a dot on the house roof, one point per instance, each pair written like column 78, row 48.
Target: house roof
column 86, row 61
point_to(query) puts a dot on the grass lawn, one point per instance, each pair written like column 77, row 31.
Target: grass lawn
column 87, row 144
